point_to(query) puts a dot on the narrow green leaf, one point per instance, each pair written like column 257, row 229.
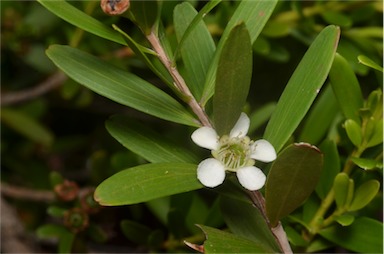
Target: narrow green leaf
column 294, row 237
column 331, row 167
column 218, row 241
column 147, row 182
column 234, row 73
column 320, row 117
column 291, row 179
column 368, row 62
column 346, row 88
column 354, row 132
column 367, row 164
column 71, row 14
column 340, row 188
column 145, row 142
column 377, row 135
column 365, row 235
column 319, row 245
column 364, row 195
column 337, row 18
column 141, row 51
column 65, row 237
column 118, row 85
column 276, row 29
column 245, row 220
column 345, row 219
column 144, row 14
column 197, row 49
column 26, row 126
column 302, row 87
column 254, row 14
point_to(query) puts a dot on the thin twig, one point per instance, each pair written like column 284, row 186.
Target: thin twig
column 23, row 193
column 277, row 231
column 52, row 82
column 178, row 80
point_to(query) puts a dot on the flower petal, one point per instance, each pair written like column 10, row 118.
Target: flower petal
column 206, row 137
column 241, row 127
column 211, row 172
column 263, row 151
column 251, row 178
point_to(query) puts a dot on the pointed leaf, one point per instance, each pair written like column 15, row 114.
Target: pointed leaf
column 341, row 189
column 365, row 235
column 245, row 220
column 331, row 168
column 320, row 117
column 369, row 62
column 292, row 178
column 144, row 14
column 145, row 142
column 71, row 14
column 198, row 48
column 254, row 14
column 364, row 194
column 302, row 87
column 233, row 79
column 147, row 182
column 118, row 85
column 26, row 126
column 346, row 88
column 218, row 241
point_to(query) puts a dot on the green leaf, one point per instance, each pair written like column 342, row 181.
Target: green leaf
column 118, row 85
column 320, row 117
column 345, row 219
column 197, row 49
column 254, row 14
column 354, row 133
column 234, row 73
column 377, row 135
column 26, row 126
column 367, row 164
column 318, row 245
column 218, row 241
column 145, row 142
column 65, row 237
column 370, row 63
column 261, row 116
column 56, row 211
column 337, row 18
column 294, row 237
column 364, row 195
column 245, row 220
column 302, row 88
column 346, row 88
column 135, row 232
column 141, row 51
column 147, row 182
column 291, row 179
column 144, row 14
column 71, row 14
column 276, row 29
column 341, row 189
column 365, row 235
column 331, row 167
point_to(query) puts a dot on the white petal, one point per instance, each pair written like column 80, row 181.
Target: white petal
column 263, row 151
column 251, row 178
column 241, row 127
column 211, row 172
column 206, row 137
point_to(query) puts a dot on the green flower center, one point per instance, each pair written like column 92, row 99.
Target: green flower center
column 234, row 153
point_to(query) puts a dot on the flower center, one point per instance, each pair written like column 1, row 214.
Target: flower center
column 234, row 153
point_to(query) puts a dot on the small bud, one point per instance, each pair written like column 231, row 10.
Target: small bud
column 114, row 7
column 76, row 219
column 87, row 201
column 67, row 191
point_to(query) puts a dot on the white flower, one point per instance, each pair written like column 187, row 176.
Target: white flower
column 235, row 153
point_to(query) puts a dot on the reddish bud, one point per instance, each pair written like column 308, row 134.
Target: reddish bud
column 114, row 7
column 67, row 191
column 87, row 201
column 76, row 219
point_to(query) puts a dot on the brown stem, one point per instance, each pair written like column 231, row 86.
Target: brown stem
column 49, row 84
column 26, row 193
column 178, row 80
column 277, row 231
